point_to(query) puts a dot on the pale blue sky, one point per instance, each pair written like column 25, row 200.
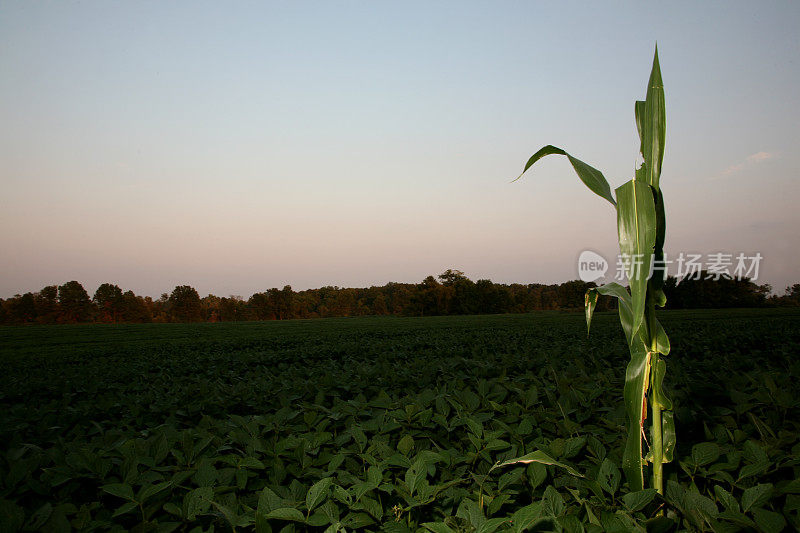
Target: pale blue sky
column 237, row 146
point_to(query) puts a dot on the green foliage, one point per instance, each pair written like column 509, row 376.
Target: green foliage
column 641, row 228
column 390, row 424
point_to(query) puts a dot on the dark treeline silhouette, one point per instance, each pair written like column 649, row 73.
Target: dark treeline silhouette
column 452, row 293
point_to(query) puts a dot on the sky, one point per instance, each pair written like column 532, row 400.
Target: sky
column 238, row 146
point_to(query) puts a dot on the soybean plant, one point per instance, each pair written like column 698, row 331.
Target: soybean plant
column 641, row 229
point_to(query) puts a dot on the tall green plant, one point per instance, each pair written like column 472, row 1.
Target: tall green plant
column 641, row 229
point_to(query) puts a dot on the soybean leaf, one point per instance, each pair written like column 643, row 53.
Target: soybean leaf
column 491, row 525
column 726, row 498
column 552, row 502
column 251, row 462
column 753, row 453
column 437, row 527
column 756, row 496
column 523, row 518
column 121, row 490
column 769, row 520
column 589, row 175
column 286, row 513
column 12, row 516
column 510, row 478
column 198, row 502
column 171, row 508
column 152, row 490
column 537, row 473
column 705, row 453
column 700, row 505
column 231, row 516
column 636, row 501
column 472, row 511
column 608, row 476
column 206, row 474
column 318, row 519
column 317, row 493
column 41, row 516
column 125, row 508
column 753, row 470
column 405, row 444
column 268, row 500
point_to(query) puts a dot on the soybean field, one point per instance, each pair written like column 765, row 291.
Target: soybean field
column 393, row 424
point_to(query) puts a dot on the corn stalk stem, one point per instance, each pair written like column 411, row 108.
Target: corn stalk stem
column 657, row 446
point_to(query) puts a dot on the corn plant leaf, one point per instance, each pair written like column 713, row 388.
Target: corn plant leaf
column 653, row 124
column 658, row 396
column 625, row 313
column 659, row 297
column 589, row 175
column 633, row 395
column 659, row 267
column 590, row 301
column 617, row 291
column 668, row 438
column 662, row 341
column 638, row 111
column 540, row 457
column 636, row 227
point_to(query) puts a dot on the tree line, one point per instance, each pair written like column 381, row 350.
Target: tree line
column 450, row 293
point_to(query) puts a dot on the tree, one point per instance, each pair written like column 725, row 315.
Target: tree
column 21, row 309
column 428, row 297
column 260, row 306
column 184, row 303
column 707, row 292
column 47, row 305
column 465, row 297
column 287, row 301
column 449, row 277
column 231, row 309
column 379, row 305
column 108, row 299
column 134, row 308
column 74, row 302
column 210, row 306
column 792, row 295
column 571, row 294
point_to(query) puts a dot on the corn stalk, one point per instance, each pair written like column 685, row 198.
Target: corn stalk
column 641, row 230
